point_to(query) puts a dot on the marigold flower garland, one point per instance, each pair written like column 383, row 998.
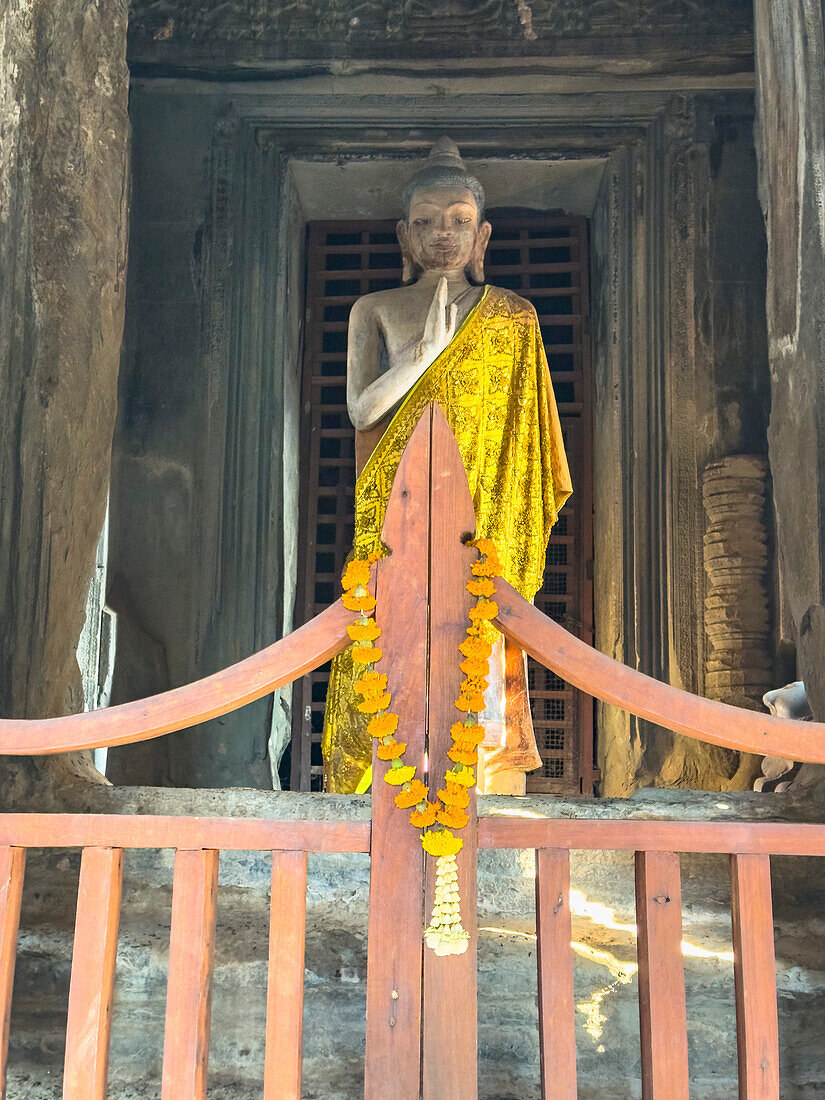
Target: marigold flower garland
column 437, row 819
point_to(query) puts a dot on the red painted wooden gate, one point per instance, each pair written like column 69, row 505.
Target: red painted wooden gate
column 421, row 1010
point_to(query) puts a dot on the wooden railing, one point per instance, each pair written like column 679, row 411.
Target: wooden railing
column 421, row 1010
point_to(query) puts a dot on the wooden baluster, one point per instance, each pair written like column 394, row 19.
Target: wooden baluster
column 285, row 983
column 12, row 867
column 450, row 1050
column 189, row 991
column 89, row 1024
column 754, row 972
column 557, row 1031
column 394, row 942
column 662, row 1013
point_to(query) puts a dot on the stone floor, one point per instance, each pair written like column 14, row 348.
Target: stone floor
column 604, row 946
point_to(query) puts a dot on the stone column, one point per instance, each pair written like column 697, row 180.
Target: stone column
column 790, row 137
column 63, row 196
column 738, row 660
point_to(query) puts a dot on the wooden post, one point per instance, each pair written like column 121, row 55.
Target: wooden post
column 86, row 1062
column 450, row 1043
column 189, row 991
column 557, row 1030
column 12, row 866
column 285, row 978
column 394, row 940
column 754, row 973
column 662, row 1013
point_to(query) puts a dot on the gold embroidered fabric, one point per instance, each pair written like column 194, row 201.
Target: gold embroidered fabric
column 493, row 384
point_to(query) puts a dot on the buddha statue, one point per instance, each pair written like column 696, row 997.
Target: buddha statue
column 446, row 336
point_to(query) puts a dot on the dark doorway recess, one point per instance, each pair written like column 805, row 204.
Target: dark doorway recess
column 544, row 259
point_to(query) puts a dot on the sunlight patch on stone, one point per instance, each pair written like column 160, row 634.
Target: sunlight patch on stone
column 597, row 912
column 623, row 974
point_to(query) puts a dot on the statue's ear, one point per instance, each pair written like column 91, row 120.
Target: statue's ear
column 475, row 268
column 407, row 262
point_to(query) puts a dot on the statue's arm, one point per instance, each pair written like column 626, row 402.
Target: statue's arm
column 370, row 394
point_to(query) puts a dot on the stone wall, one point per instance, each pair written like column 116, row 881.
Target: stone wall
column 258, row 33
column 63, row 204
column 204, row 530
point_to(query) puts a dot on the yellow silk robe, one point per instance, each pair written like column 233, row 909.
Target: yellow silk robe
column 493, row 384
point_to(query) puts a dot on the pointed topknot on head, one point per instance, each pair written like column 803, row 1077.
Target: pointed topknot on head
column 445, row 152
column 445, row 168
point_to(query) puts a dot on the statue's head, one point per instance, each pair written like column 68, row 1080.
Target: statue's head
column 443, row 228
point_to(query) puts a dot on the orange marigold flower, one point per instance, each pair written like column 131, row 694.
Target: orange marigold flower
column 364, row 632
column 483, row 545
column 474, row 702
column 422, row 818
column 484, row 609
column 473, row 683
column 461, row 754
column 382, row 725
column 375, row 697
column 474, row 667
column 371, row 682
column 397, row 776
column 470, row 735
column 366, row 654
column 463, row 776
column 391, row 751
column 416, row 793
column 453, row 818
column 492, row 562
column 469, row 745
column 357, row 572
column 485, row 569
column 441, row 843
column 358, row 603
column 481, row 586
column 454, row 794
column 476, row 648
column 373, row 703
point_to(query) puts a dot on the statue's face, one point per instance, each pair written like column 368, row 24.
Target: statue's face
column 442, row 232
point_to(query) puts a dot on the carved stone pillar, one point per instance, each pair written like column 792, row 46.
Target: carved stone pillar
column 64, row 188
column 739, row 659
column 790, row 142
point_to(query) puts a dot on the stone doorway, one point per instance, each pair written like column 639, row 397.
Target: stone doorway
column 545, row 259
column 205, row 498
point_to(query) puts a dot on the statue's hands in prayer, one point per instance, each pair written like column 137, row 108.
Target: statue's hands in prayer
column 372, row 394
column 439, row 328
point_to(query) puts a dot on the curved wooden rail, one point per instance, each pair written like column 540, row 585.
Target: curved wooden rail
column 300, row 652
column 612, row 682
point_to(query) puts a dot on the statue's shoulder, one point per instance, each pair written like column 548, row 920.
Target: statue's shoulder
column 509, row 304
column 379, row 299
